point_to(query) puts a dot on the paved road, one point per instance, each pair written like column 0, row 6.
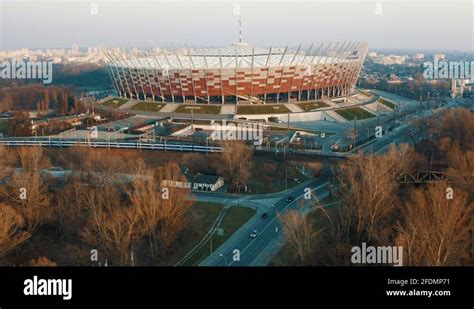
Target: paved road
column 260, row 250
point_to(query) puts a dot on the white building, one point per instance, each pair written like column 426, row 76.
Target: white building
column 419, row 56
column 390, row 59
column 458, row 86
column 439, row 57
column 207, row 182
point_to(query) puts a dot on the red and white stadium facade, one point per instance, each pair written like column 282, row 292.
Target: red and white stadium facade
column 238, row 73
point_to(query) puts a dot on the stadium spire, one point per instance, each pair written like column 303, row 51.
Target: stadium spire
column 237, row 12
column 240, row 29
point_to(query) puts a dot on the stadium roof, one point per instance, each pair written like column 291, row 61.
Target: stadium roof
column 237, row 55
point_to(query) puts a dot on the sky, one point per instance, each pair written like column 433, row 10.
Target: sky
column 394, row 24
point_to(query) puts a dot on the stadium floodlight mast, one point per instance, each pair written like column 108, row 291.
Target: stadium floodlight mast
column 117, row 85
column 293, row 73
column 337, row 73
column 220, row 76
column 112, row 59
column 320, row 57
column 126, row 59
column 120, row 54
column 158, row 65
column 341, row 74
column 310, row 65
column 147, row 59
column 131, row 54
column 267, row 64
column 346, row 75
column 192, row 67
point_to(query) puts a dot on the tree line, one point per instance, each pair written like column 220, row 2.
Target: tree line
column 432, row 222
column 58, row 99
column 118, row 215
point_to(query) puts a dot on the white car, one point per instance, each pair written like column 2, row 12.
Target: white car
column 254, row 234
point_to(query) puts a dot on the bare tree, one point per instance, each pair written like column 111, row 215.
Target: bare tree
column 32, row 158
column 161, row 205
column 11, row 229
column 145, row 198
column 111, row 226
column 368, row 187
column 299, row 233
column 27, row 191
column 237, row 162
column 461, row 168
column 70, row 205
column 458, row 125
column 7, row 161
column 174, row 208
column 28, row 194
column 435, row 230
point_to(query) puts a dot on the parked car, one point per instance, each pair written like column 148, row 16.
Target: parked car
column 290, row 199
column 254, row 234
column 264, row 215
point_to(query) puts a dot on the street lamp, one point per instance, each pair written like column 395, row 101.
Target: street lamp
column 355, row 133
column 225, row 259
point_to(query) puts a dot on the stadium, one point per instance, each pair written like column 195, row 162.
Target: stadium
column 240, row 73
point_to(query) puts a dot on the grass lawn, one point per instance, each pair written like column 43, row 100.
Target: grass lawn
column 199, row 109
column 308, row 106
column 387, row 103
column 4, row 126
column 258, row 187
column 204, row 215
column 115, row 102
column 235, row 217
column 353, row 112
column 147, row 106
column 262, row 109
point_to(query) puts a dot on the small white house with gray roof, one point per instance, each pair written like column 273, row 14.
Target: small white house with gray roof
column 207, row 182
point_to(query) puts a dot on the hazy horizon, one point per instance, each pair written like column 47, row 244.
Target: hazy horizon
column 403, row 25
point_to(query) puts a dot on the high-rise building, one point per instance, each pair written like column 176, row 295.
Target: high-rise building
column 439, row 57
column 419, row 56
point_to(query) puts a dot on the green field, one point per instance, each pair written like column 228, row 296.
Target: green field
column 4, row 126
column 115, row 102
column 353, row 112
column 308, row 106
column 387, row 103
column 199, row 109
column 262, row 109
column 235, row 217
column 147, row 106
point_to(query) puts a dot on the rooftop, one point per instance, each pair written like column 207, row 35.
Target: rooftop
column 208, row 179
column 238, row 55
